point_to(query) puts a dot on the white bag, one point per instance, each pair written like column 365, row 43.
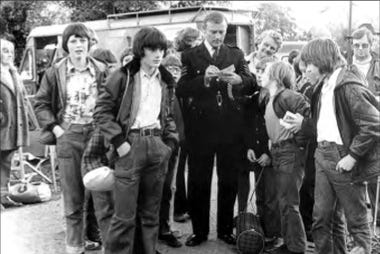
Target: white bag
column 99, row 179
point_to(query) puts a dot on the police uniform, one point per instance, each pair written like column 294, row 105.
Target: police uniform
column 214, row 127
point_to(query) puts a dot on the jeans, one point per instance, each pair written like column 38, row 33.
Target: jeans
column 91, row 227
column 372, row 187
column 266, row 198
column 334, row 194
column 307, row 190
column 70, row 148
column 104, row 209
column 139, row 181
column 5, row 170
column 288, row 164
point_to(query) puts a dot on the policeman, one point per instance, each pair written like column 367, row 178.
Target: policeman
column 214, row 75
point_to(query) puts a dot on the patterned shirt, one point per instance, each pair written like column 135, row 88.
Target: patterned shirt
column 81, row 94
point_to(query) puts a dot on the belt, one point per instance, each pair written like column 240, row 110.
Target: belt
column 283, row 142
column 328, row 143
column 78, row 128
column 147, row 132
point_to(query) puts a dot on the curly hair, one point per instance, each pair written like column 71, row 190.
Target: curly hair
column 273, row 34
column 186, row 37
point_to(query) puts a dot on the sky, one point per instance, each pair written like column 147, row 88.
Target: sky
column 310, row 14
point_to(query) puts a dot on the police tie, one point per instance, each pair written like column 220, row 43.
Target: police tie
column 215, row 54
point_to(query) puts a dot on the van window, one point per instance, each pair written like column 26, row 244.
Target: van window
column 230, row 38
column 26, row 69
column 45, row 51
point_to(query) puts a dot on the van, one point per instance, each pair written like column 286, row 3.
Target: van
column 116, row 33
column 287, row 47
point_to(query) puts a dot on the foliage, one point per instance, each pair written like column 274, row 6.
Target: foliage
column 274, row 16
column 84, row 10
column 19, row 17
column 339, row 34
column 179, row 4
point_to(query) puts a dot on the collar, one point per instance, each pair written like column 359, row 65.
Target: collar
column 209, row 48
column 89, row 66
column 331, row 82
column 366, row 61
column 156, row 74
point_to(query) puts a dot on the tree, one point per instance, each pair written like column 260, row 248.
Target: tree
column 19, row 17
column 85, row 10
column 276, row 17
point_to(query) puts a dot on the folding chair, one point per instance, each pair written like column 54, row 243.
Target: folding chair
column 21, row 159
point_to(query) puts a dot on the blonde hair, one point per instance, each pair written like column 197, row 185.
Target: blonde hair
column 282, row 73
column 272, row 34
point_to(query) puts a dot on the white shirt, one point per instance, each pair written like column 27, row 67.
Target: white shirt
column 209, row 48
column 363, row 66
column 150, row 101
column 327, row 126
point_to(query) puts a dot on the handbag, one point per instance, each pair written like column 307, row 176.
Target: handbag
column 99, row 179
column 30, row 193
column 250, row 234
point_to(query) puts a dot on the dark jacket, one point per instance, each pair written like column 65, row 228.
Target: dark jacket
column 358, row 118
column 14, row 126
column 256, row 136
column 51, row 97
column 373, row 75
column 294, row 102
column 116, row 109
column 207, row 122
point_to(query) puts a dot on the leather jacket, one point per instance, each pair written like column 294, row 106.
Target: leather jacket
column 358, row 118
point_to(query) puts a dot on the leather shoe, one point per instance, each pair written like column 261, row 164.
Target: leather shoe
column 91, row 245
column 170, row 240
column 283, row 249
column 195, row 240
column 181, row 218
column 228, row 238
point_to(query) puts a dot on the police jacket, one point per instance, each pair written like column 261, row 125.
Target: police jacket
column 215, row 113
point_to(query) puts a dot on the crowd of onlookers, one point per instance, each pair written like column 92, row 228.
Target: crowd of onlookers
column 308, row 129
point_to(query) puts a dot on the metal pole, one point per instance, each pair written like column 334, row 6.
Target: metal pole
column 376, row 207
column 52, row 164
column 349, row 37
column 21, row 160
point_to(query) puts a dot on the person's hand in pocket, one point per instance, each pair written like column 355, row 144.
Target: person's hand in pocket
column 58, row 131
column 123, row 149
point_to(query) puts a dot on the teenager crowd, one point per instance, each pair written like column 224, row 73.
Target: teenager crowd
column 309, row 131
